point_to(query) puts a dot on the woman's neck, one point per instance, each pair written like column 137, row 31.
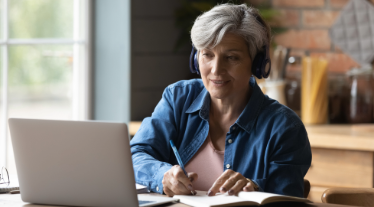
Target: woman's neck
column 223, row 114
column 230, row 108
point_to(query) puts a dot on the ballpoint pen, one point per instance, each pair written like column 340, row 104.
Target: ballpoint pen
column 179, row 159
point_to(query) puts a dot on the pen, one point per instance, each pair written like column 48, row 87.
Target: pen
column 178, row 159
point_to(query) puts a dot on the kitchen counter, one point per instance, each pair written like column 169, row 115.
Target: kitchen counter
column 349, row 137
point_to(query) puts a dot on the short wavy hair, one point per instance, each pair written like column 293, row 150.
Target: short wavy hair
column 210, row 27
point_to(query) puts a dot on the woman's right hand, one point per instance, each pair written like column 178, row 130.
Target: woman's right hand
column 175, row 182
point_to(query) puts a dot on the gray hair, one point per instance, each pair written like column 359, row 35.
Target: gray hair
column 210, row 27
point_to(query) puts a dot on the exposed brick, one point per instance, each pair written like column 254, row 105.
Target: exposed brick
column 286, row 18
column 297, row 53
column 299, row 3
column 318, row 18
column 256, row 3
column 304, row 39
column 338, row 62
column 338, row 4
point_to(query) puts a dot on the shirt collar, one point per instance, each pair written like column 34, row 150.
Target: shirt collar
column 202, row 103
column 248, row 116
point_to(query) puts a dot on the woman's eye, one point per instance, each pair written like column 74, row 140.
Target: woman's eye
column 232, row 58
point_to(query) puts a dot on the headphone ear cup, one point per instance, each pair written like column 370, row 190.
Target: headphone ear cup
column 194, row 64
column 257, row 65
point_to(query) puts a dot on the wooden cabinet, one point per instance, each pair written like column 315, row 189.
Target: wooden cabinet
column 342, row 156
column 343, row 168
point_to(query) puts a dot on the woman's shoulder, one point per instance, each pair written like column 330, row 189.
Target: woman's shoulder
column 279, row 114
column 184, row 92
column 191, row 88
column 193, row 84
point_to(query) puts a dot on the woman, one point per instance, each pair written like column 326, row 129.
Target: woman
column 230, row 136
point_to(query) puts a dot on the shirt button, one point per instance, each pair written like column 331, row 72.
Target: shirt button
column 229, row 141
column 234, row 127
column 157, row 188
column 228, row 166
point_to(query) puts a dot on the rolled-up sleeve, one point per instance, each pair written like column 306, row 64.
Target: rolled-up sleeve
column 150, row 146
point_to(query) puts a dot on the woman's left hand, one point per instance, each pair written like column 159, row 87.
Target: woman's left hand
column 231, row 182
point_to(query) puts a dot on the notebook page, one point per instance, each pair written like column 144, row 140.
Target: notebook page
column 259, row 197
column 141, row 188
column 201, row 199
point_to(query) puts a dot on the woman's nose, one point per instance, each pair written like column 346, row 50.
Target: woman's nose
column 218, row 67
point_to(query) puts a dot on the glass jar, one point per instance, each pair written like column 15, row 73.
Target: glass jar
column 359, row 107
column 338, row 94
column 293, row 91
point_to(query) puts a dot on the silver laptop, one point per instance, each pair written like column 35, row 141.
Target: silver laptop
column 77, row 163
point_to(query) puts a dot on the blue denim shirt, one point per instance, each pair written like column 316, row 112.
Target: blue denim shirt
column 269, row 142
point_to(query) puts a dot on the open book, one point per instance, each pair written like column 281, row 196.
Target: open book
column 243, row 199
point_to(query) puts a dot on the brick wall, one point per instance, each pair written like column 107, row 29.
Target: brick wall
column 307, row 23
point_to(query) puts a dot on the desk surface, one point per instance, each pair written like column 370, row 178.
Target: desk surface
column 14, row 200
column 336, row 136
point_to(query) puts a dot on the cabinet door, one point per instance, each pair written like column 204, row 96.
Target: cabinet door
column 341, row 168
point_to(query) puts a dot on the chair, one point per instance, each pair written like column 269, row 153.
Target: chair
column 306, row 188
column 349, row 196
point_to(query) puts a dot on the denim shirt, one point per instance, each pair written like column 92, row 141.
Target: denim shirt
column 268, row 142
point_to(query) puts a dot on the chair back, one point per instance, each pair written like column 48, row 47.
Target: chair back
column 349, row 196
column 306, row 188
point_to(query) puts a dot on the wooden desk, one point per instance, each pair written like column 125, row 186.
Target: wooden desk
column 14, row 200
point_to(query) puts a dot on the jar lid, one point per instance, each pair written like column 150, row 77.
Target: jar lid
column 364, row 70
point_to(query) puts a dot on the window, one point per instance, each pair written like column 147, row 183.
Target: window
column 44, row 67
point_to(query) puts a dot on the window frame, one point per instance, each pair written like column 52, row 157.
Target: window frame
column 82, row 67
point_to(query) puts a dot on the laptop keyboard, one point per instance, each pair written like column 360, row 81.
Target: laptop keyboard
column 144, row 202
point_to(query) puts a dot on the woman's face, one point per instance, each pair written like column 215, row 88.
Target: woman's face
column 226, row 68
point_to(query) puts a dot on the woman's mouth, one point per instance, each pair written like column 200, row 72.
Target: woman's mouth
column 219, row 82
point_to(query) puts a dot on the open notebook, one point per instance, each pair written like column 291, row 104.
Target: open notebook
column 243, row 199
column 4, row 188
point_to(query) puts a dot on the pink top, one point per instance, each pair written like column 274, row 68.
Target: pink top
column 207, row 163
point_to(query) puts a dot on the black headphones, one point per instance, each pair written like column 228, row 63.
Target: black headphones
column 261, row 64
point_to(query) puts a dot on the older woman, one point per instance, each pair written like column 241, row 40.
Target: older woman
column 230, row 136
